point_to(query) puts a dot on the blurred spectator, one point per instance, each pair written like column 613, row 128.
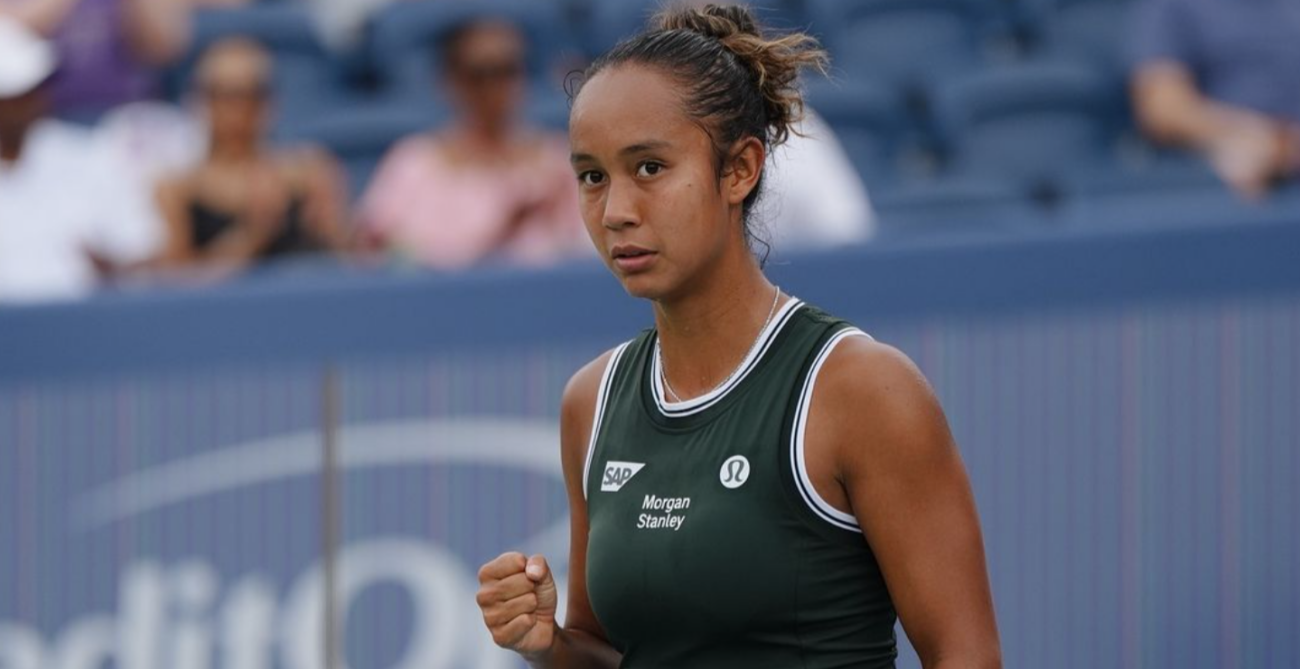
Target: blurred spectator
column 109, row 50
column 65, row 217
column 1222, row 77
column 484, row 186
column 813, row 197
column 245, row 201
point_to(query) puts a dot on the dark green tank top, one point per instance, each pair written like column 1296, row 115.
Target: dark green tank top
column 708, row 545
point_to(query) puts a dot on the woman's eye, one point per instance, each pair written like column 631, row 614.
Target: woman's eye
column 648, row 169
column 591, row 178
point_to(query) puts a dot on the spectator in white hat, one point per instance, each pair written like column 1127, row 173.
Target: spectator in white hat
column 66, row 217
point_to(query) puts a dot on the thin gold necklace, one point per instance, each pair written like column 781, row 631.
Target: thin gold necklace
column 663, row 364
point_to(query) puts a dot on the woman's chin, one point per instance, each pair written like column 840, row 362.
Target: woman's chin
column 643, row 286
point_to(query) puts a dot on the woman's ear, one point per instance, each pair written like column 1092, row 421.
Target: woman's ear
column 744, row 168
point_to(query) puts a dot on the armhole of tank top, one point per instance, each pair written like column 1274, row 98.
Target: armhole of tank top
column 819, row 506
column 602, row 397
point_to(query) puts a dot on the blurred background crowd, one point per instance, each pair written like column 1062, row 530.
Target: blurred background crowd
column 177, row 142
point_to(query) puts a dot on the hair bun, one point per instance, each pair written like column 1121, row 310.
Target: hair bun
column 718, row 22
column 774, row 61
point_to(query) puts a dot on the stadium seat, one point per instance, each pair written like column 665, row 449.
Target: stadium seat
column 869, row 120
column 1145, row 168
column 548, row 107
column 1147, row 210
column 953, row 207
column 907, row 43
column 1036, row 123
column 609, row 21
column 1095, row 30
column 282, row 28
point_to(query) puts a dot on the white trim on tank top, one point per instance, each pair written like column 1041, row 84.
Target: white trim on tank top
column 803, row 481
column 602, row 396
column 697, row 404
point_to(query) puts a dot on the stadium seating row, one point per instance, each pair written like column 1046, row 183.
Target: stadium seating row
column 994, row 105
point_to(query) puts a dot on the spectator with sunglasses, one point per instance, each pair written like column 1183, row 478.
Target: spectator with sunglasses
column 246, row 201
column 484, row 187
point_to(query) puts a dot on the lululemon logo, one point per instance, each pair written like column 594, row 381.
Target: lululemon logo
column 735, row 471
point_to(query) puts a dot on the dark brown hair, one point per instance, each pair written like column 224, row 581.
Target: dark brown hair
column 737, row 80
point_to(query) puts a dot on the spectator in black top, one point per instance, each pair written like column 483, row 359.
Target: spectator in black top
column 245, row 200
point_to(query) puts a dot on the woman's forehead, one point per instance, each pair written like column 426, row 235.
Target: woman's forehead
column 628, row 101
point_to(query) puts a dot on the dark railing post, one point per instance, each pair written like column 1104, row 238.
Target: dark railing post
column 330, row 521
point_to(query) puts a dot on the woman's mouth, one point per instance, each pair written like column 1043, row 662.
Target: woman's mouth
column 631, row 259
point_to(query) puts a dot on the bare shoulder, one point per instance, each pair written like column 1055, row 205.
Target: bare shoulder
column 864, row 369
column 882, row 406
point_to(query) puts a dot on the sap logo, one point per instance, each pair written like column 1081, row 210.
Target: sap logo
column 617, row 474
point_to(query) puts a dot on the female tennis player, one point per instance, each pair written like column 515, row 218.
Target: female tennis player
column 753, row 483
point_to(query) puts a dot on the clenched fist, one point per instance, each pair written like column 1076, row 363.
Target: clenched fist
column 518, row 599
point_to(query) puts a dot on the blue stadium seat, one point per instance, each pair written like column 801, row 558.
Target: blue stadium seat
column 953, row 207
column 548, row 107
column 1095, row 30
column 1146, row 210
column 1147, row 169
column 1036, row 123
column 869, row 120
column 401, row 40
column 282, row 28
column 609, row 21
column 908, row 43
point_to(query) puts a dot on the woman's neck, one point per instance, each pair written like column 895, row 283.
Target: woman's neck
column 706, row 334
column 233, row 154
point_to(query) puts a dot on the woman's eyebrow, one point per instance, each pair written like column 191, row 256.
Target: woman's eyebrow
column 631, row 149
column 641, row 147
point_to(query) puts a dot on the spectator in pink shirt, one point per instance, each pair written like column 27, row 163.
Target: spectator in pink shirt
column 484, row 187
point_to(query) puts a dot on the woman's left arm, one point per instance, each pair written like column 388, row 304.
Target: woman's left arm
column 323, row 183
column 899, row 470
